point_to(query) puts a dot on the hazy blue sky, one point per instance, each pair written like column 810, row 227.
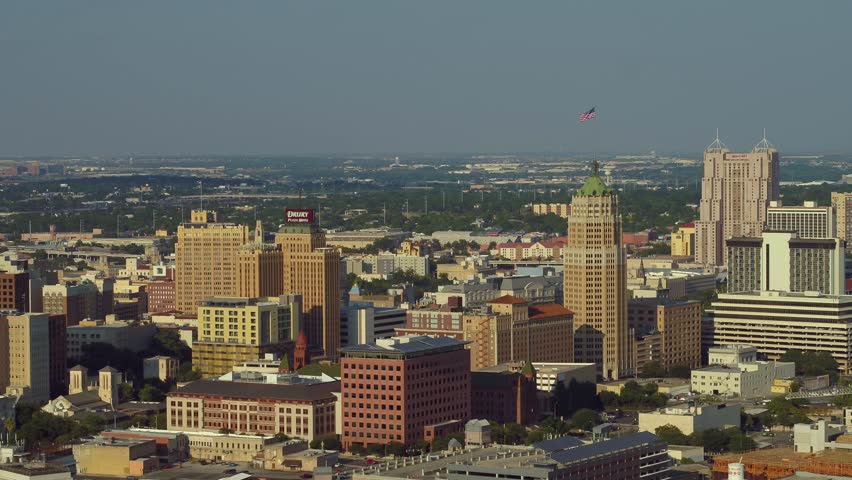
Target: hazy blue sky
column 121, row 77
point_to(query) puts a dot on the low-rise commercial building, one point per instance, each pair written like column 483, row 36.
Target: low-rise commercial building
column 171, row 447
column 731, row 354
column 747, row 380
column 691, row 419
column 116, row 457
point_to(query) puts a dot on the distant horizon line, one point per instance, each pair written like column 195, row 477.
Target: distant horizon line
column 688, row 154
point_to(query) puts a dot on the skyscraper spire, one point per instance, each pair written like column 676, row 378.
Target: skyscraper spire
column 763, row 145
column 717, row 146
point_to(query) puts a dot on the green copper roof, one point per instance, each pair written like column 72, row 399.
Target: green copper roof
column 594, row 186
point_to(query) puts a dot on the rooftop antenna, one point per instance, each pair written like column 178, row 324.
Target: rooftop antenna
column 717, row 146
column 201, row 190
column 764, row 145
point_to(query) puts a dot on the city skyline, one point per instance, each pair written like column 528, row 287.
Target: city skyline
column 293, row 78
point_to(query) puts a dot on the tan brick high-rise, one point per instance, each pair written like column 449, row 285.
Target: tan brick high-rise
column 206, row 259
column 260, row 267
column 595, row 284
column 313, row 270
column 735, row 192
column 842, row 203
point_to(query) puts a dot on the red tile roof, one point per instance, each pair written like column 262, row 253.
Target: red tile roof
column 508, row 299
column 688, row 225
column 548, row 310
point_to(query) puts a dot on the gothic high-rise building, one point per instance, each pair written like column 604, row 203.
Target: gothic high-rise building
column 595, row 284
column 735, row 192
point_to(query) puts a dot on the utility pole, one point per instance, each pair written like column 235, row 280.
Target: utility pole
column 426, row 204
column 443, row 199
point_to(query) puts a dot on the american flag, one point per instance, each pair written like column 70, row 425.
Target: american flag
column 590, row 115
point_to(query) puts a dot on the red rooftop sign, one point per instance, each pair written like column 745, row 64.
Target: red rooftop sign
column 299, row 215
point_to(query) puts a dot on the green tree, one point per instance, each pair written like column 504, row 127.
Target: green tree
column 739, row 442
column 357, row 449
column 680, row 371
column 226, row 431
column 585, row 419
column 186, row 373
column 396, row 449
column 126, row 392
column 652, row 369
column 671, row 435
column 422, row 446
column 150, row 393
column 714, row 440
column 376, row 449
column 575, row 396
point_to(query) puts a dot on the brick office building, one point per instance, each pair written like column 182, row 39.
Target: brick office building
column 404, row 389
column 303, row 410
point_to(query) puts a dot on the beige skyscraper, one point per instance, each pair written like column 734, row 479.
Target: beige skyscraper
column 260, row 268
column 735, row 191
column 28, row 355
column 206, row 259
column 842, row 203
column 595, row 283
column 312, row 270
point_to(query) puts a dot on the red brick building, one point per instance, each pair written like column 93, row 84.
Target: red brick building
column 404, row 389
column 161, row 296
column 303, row 410
column 15, row 291
column 505, row 397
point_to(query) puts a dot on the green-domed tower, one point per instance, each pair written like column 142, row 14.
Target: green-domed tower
column 595, row 279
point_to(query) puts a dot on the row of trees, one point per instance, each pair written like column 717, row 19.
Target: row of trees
column 712, row 439
column 634, row 395
column 654, row 369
